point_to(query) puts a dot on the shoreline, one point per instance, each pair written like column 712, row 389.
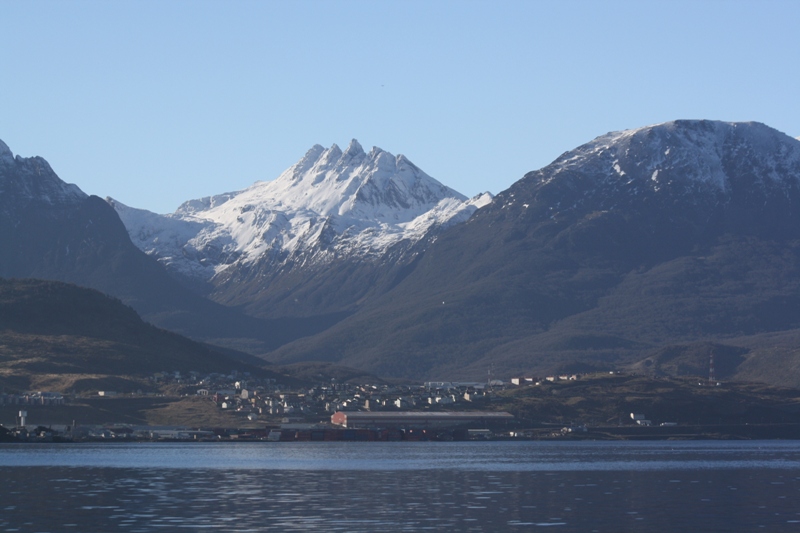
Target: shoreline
column 120, row 434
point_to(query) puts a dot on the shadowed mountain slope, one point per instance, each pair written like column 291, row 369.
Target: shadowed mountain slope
column 52, row 230
column 683, row 232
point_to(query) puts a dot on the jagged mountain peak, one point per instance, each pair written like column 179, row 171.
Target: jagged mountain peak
column 354, row 149
column 31, row 179
column 350, row 183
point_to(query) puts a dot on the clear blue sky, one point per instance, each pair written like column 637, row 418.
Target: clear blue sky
column 157, row 102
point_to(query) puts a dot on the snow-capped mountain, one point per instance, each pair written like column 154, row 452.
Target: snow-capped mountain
column 677, row 157
column 331, row 204
column 705, row 152
column 708, row 176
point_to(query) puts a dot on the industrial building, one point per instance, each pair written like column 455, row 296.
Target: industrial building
column 418, row 419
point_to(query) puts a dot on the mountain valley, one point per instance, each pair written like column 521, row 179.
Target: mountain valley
column 651, row 250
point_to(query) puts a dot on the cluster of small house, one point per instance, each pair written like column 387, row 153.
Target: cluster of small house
column 22, row 433
column 521, row 381
column 32, row 398
column 252, row 401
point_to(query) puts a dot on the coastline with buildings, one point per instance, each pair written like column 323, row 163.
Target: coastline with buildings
column 241, row 407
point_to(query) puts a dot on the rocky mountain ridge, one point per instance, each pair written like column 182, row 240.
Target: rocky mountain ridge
column 32, row 180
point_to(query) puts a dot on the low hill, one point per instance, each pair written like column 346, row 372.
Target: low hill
column 57, row 336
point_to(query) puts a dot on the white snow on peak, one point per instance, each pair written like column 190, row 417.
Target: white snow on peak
column 481, row 199
column 331, row 203
column 683, row 151
column 350, row 184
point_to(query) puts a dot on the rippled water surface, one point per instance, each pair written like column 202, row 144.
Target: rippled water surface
column 488, row 486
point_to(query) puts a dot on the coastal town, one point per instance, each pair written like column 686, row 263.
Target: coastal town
column 240, row 406
column 265, row 409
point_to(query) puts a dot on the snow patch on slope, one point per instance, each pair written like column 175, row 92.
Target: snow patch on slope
column 170, row 238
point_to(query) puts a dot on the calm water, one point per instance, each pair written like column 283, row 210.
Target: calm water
column 488, row 486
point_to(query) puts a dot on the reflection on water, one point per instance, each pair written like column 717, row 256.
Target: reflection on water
column 402, row 487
